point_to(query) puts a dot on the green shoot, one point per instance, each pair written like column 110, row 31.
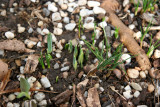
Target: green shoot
column 136, row 7
column 74, row 58
column 57, row 77
column 69, row 47
column 86, row 54
column 81, row 57
column 49, row 43
column 152, row 47
column 74, row 63
column 48, row 58
column 25, row 87
column 144, row 33
column 116, row 33
column 94, row 35
column 41, row 61
column 148, row 5
column 80, row 26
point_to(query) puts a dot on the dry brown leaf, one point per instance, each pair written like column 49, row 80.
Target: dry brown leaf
column 31, row 64
column 93, row 98
column 110, row 4
column 14, row 45
column 3, row 69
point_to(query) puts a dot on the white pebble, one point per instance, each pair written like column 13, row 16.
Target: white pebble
column 85, row 12
column 9, row 35
column 52, row 7
column 63, row 14
column 103, row 24
column 16, row 105
column 142, row 74
column 137, row 35
column 58, row 55
column 40, row 23
column 59, row 25
column 66, row 19
column 21, row 29
column 136, row 86
column 64, row 6
column 45, row 82
column 56, row 66
column 39, row 96
column 82, row 2
column 126, row 58
column 142, row 106
column 101, row 45
column 93, row 3
column 11, row 97
column 42, row 103
column 22, row 69
column 45, row 31
column 157, row 53
column 1, row 52
column 56, row 16
column 81, row 42
column 133, row 73
column 9, row 104
column 150, row 88
column 58, row 31
column 83, row 37
column 136, row 94
column 70, row 9
column 125, row 2
column 3, row 13
column 89, row 26
column 99, row 10
column 101, row 89
column 127, row 88
column 132, row 26
column 30, row 43
column 30, row 30
column 127, row 94
column 65, row 68
column 70, row 26
column 39, row 44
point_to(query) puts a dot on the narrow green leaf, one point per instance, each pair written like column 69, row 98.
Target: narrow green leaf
column 74, row 62
column 49, row 43
column 24, row 85
column 75, row 51
column 81, row 57
column 23, row 94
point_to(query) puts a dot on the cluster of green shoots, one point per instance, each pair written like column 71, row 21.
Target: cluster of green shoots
column 47, row 55
column 25, row 87
column 78, row 54
column 148, row 5
column 80, row 27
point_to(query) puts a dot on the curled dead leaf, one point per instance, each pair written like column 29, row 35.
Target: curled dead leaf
column 117, row 72
column 3, row 69
column 31, row 64
column 14, row 45
column 154, row 73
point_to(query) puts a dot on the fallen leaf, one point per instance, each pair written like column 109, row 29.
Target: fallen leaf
column 31, row 64
column 3, row 69
column 14, row 45
column 110, row 4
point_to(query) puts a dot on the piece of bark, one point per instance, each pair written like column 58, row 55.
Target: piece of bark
column 14, row 45
column 3, row 69
column 80, row 92
column 74, row 96
column 126, row 35
column 62, row 97
column 31, row 64
column 93, row 98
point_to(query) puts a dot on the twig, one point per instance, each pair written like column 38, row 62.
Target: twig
column 152, row 28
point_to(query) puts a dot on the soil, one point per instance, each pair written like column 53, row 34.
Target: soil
column 106, row 98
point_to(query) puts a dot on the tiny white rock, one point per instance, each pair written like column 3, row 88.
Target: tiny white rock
column 40, row 23
column 157, row 53
column 66, row 19
column 89, row 26
column 42, row 103
column 45, row 31
column 63, row 14
column 127, row 94
column 136, row 86
column 137, row 35
column 9, row 104
column 126, row 58
column 1, row 52
column 132, row 26
column 85, row 12
column 16, row 104
column 142, row 74
column 70, row 26
column 39, row 96
column 58, row 55
column 65, row 68
column 93, row 3
column 136, row 94
column 99, row 10
column 9, row 35
column 11, row 97
column 101, row 45
column 3, row 13
column 56, row 16
column 30, row 30
column 127, row 88
column 52, row 7
column 133, row 73
column 150, row 88
column 82, row 2
column 101, row 89
column 45, row 82
column 59, row 25
column 64, row 6
column 58, row 31
column 22, row 69
column 142, row 106
column 125, row 2
column 39, row 44
column 103, row 24
column 21, row 29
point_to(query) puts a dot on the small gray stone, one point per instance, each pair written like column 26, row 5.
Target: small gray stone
column 42, row 103
column 65, row 68
column 46, row 12
column 39, row 96
column 70, row 26
column 56, row 16
column 108, row 31
column 136, row 86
